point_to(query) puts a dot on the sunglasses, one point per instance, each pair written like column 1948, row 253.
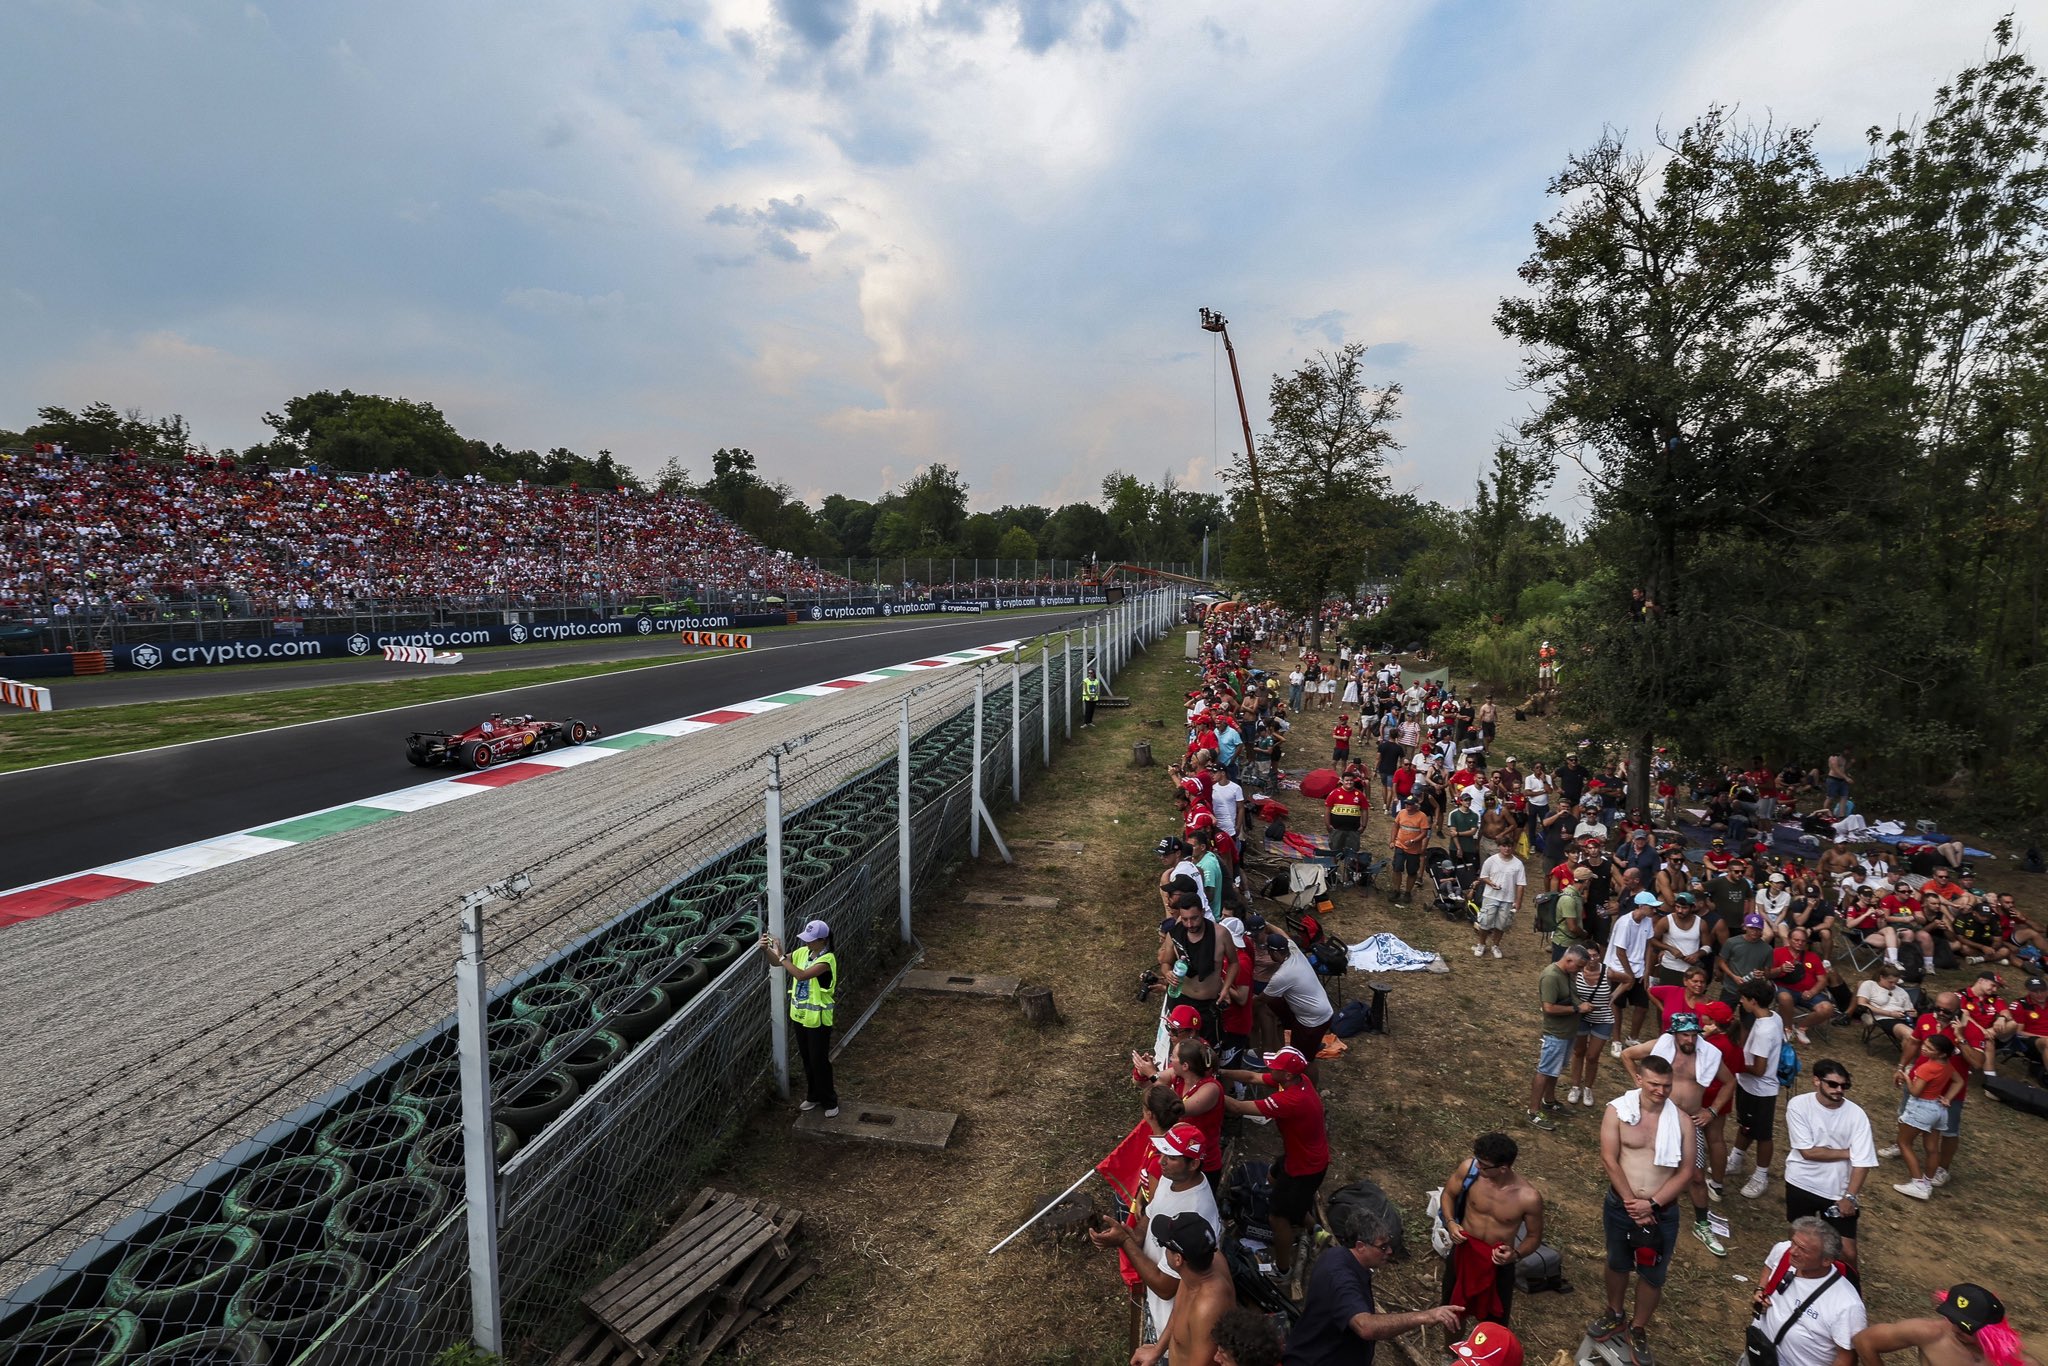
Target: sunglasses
column 1836, row 1082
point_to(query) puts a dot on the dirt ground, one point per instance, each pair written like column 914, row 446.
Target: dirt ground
column 903, row 1236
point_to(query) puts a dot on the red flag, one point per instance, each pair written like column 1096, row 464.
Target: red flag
column 1132, row 1166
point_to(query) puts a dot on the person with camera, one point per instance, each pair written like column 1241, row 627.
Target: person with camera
column 1948, row 1020
column 1180, row 1191
column 1646, row 1148
column 813, row 978
column 1340, row 1321
column 1807, row 1312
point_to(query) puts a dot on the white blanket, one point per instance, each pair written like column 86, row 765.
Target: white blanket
column 1384, row 953
column 1670, row 1150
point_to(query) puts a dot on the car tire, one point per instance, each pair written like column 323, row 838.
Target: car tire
column 216, row 1346
column 575, row 731
column 182, row 1274
column 418, row 757
column 298, row 1298
column 476, row 755
column 95, row 1335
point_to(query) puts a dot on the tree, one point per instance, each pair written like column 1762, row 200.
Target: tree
column 934, row 505
column 1076, row 531
column 98, row 429
column 672, row 479
column 1017, row 545
column 367, row 433
column 1323, row 473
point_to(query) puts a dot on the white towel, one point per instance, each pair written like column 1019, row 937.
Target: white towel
column 1670, row 1150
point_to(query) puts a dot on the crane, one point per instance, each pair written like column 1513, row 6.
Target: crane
column 1212, row 321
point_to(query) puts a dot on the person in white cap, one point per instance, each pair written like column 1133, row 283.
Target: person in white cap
column 813, row 978
column 1179, row 1190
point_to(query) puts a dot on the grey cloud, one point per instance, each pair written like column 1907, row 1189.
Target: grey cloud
column 961, row 16
column 1042, row 23
column 821, row 23
column 871, row 141
column 775, row 220
column 549, row 210
column 555, row 303
column 1389, row 355
column 781, row 248
column 881, row 44
column 1330, row 325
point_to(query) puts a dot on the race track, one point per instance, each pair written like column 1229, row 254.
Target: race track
column 68, row 817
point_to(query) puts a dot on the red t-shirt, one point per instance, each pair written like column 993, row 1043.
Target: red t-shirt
column 1199, row 817
column 1732, row 1062
column 1237, row 1019
column 1720, row 860
column 1561, row 877
column 1966, row 1031
column 1210, row 1122
column 1298, row 1111
column 1895, row 905
column 1463, row 779
column 1341, row 736
column 1983, row 1009
column 2033, row 1018
column 1813, row 970
column 1671, row 1001
column 1404, row 780
column 1345, row 805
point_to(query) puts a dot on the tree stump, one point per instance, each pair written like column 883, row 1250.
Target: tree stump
column 1141, row 754
column 1038, row 1006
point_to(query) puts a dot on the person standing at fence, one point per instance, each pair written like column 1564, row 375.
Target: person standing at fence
column 1091, row 692
column 813, row 978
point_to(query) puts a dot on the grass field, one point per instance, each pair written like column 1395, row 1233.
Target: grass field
column 903, row 1237
column 31, row 739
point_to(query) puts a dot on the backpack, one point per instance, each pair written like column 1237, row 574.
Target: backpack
column 1249, row 1199
column 1546, row 912
column 1355, row 1018
column 1788, row 1064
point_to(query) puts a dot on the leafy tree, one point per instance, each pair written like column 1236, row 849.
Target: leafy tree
column 934, row 508
column 851, row 522
column 1018, row 545
column 672, row 478
column 368, row 433
column 1077, row 531
column 99, row 429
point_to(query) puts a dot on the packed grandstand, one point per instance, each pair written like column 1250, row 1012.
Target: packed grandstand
column 127, row 535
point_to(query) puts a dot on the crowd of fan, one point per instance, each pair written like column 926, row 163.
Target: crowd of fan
column 1696, row 968
column 124, row 534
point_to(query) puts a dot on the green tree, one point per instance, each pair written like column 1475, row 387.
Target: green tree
column 672, row 479
column 934, row 506
column 100, row 429
column 1019, row 545
column 368, row 433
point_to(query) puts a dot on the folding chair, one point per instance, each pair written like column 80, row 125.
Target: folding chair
column 1863, row 954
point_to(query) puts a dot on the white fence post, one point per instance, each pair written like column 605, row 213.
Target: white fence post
column 778, row 925
column 1016, row 727
column 479, row 1151
column 903, row 821
column 1067, row 678
column 973, row 825
column 1045, row 700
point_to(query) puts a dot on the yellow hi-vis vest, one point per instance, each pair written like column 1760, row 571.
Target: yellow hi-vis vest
column 1091, row 689
column 810, row 1001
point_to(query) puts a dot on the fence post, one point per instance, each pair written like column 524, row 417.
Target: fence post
column 973, row 825
column 1016, row 727
column 1045, row 700
column 903, row 821
column 479, row 1152
column 778, row 925
column 1067, row 678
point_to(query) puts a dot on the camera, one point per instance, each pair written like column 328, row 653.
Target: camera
column 1147, row 980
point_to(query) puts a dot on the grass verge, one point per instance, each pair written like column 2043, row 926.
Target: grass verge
column 31, row 740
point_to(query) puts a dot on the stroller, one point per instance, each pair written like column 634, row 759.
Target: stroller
column 1452, row 882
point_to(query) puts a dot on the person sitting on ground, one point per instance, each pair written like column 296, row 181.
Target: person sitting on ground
column 1495, row 1219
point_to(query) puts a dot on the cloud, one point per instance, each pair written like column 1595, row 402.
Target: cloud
column 1329, row 324
column 1389, row 355
column 551, row 211
column 555, row 303
column 775, row 221
column 820, row 23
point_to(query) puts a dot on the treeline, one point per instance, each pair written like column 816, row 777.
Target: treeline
column 1809, row 414
column 927, row 518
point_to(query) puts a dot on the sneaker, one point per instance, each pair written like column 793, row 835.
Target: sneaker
column 1940, row 1177
column 1585, row 1095
column 1551, row 1107
column 1706, row 1235
column 1496, row 950
column 1571, row 1097
column 1715, row 1190
column 808, row 1105
column 1756, row 1185
column 1801, row 1035
column 1974, row 959
column 1922, row 1189
column 1479, row 950
column 1736, row 1157
column 1614, row 1049
column 1541, row 1121
column 831, row 1111
column 1889, row 1150
column 1609, row 1324
column 1639, row 1347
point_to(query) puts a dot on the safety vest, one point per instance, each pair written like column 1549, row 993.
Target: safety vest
column 1091, row 689
column 810, row 1000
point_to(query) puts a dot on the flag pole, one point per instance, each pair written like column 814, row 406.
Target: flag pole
column 1041, row 1214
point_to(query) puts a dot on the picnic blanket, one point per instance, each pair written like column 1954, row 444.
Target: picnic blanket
column 1384, row 953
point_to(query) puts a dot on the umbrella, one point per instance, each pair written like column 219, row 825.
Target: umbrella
column 1318, row 782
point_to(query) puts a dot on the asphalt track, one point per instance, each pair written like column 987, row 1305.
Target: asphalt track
column 64, row 818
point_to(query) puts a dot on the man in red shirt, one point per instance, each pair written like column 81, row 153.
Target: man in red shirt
column 1972, row 1052
column 2023, row 1032
column 1718, row 857
column 1340, row 740
column 1802, row 981
column 1296, row 1109
column 1980, row 1001
column 1344, row 809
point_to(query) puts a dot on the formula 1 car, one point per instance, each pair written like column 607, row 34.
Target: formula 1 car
column 494, row 740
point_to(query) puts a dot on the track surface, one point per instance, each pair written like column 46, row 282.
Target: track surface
column 67, row 817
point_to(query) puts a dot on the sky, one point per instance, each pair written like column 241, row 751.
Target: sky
column 853, row 236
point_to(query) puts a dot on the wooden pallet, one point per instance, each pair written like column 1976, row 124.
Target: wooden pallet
column 725, row 1263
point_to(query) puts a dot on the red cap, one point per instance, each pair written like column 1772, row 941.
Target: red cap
column 1184, row 1017
column 1182, row 1140
column 1489, row 1344
column 1720, row 1012
column 1289, row 1059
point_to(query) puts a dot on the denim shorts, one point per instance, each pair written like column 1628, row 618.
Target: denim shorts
column 1621, row 1257
column 1923, row 1114
column 1599, row 1029
column 1550, row 1059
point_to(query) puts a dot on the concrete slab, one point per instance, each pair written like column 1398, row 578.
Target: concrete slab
column 1013, row 901
column 926, row 1130
column 960, row 984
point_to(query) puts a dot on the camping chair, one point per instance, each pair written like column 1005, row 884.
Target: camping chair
column 1921, row 1005
column 1863, row 954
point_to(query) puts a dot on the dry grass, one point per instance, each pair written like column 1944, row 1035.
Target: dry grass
column 902, row 1236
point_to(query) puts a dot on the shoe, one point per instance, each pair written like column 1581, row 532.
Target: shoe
column 831, row 1111
column 1756, row 1185
column 1571, row 1097
column 1715, row 1190
column 1585, row 1095
column 1922, row 1189
column 1614, row 1049
column 1940, row 1177
column 808, row 1105
column 1735, row 1159
column 1479, row 950
column 1609, row 1324
column 1974, row 959
column 1496, row 951
column 1889, row 1150
column 1706, row 1235
column 1542, row 1121
column 1551, row 1107
column 1801, row 1035
column 1639, row 1347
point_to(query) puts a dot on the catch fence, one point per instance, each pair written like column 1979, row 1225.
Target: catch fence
column 499, row 1147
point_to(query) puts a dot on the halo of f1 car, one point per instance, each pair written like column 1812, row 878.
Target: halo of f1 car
column 494, row 740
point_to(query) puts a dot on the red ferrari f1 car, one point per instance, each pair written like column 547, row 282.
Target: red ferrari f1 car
column 494, row 740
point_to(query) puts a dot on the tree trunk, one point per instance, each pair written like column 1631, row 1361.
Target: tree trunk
column 1038, row 1006
column 1639, row 784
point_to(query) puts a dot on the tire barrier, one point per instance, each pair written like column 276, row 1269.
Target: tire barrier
column 179, row 1279
column 80, row 1337
column 299, row 1298
column 210, row 1347
column 279, row 1248
column 379, row 1221
column 284, row 1201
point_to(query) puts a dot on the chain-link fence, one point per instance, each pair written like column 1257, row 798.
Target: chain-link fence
column 628, row 1027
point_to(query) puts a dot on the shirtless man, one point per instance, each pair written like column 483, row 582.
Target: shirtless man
column 1502, row 1223
column 1835, row 861
column 1640, row 1214
column 1205, row 1295
column 1694, row 1071
column 1949, row 1340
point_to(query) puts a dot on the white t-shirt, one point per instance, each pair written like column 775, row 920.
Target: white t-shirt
column 1295, row 983
column 1224, row 799
column 1773, row 905
column 1892, row 1005
column 1765, row 1037
column 1167, row 1201
column 1628, row 943
column 1590, row 829
column 1189, row 868
column 1537, row 790
column 1824, row 1329
column 1507, row 875
column 1810, row 1124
